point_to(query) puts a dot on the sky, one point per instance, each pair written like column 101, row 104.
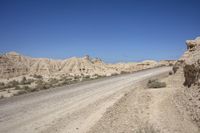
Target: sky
column 113, row 30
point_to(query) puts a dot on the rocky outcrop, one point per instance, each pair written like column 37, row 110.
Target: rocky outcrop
column 189, row 68
column 192, row 54
column 191, row 44
column 192, row 74
column 190, row 62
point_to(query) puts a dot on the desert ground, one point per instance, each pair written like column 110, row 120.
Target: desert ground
column 73, row 108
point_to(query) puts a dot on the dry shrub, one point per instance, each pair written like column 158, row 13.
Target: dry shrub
column 18, row 87
column 156, row 84
column 1, row 97
column 20, row 92
column 146, row 128
column 53, row 81
column 170, row 73
column 37, row 76
column 2, row 85
column 13, row 83
column 25, row 81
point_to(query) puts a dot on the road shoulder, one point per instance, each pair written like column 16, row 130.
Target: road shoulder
column 146, row 110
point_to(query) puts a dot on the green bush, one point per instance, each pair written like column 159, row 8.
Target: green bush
column 156, row 84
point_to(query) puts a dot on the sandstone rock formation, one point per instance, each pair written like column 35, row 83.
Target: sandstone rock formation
column 192, row 54
column 13, row 64
column 11, row 67
column 189, row 69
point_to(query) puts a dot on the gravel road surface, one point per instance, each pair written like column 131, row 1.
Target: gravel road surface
column 69, row 109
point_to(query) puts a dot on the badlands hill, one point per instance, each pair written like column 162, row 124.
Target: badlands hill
column 13, row 64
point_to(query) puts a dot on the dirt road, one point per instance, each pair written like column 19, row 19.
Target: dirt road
column 69, row 109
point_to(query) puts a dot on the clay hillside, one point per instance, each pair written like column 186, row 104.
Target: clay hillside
column 13, row 64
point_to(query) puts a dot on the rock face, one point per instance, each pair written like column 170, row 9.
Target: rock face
column 192, row 54
column 191, row 62
column 191, row 44
column 189, row 68
column 13, row 64
column 11, row 67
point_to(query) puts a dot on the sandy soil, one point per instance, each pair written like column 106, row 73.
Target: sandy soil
column 69, row 109
column 145, row 110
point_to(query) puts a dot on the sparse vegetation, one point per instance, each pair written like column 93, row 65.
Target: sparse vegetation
column 124, row 72
column 20, row 92
column 2, row 85
column 87, row 77
column 41, row 85
column 114, row 74
column 12, row 84
column 53, row 81
column 8, row 91
column 66, row 81
column 37, row 76
column 18, row 87
column 156, row 84
column 170, row 73
column 147, row 128
column 76, row 77
column 25, row 81
column 26, row 88
column 1, row 97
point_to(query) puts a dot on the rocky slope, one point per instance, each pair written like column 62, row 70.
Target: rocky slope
column 13, row 64
column 188, row 69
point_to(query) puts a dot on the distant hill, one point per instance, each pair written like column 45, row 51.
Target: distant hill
column 13, row 64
